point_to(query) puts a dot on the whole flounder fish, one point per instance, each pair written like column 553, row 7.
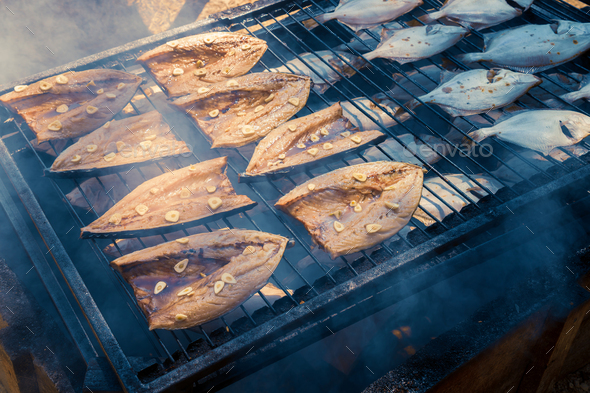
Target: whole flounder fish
column 356, row 207
column 476, row 91
column 540, row 130
column 533, row 48
column 416, row 43
column 364, row 14
column 477, row 14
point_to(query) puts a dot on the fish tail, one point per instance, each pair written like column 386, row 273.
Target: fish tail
column 428, row 18
column 323, row 18
column 476, row 137
column 411, row 105
column 372, row 55
column 469, row 58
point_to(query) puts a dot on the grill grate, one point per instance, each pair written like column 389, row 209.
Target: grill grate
column 287, row 36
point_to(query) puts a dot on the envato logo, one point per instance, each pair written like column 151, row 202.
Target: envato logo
column 147, row 149
column 462, row 150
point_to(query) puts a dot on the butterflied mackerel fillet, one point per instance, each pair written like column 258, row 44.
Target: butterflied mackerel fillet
column 328, row 205
column 182, row 66
column 118, row 144
column 186, row 196
column 72, row 104
column 190, row 281
column 245, row 109
column 308, row 139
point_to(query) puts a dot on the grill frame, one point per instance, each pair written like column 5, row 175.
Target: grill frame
column 285, row 322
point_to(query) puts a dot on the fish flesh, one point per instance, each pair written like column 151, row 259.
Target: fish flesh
column 477, row 91
column 72, row 104
column 176, row 199
column 356, row 207
column 193, row 280
column 310, row 139
column 117, row 145
column 363, row 122
column 321, row 74
column 522, row 170
column 416, row 43
column 365, row 14
column 432, row 204
column 582, row 92
column 539, row 130
column 533, row 48
column 247, row 108
column 183, row 66
column 474, row 14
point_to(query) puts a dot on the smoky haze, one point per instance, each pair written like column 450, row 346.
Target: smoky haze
column 36, row 35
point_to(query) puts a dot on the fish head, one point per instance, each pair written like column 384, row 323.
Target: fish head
column 561, row 27
column 512, row 77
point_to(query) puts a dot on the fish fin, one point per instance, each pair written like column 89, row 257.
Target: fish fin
column 469, row 58
column 446, row 76
column 387, row 33
column 476, row 136
column 529, row 70
column 310, row 24
column 431, row 17
column 489, row 37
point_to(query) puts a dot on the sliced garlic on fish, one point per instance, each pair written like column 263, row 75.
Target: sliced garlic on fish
column 192, row 168
column 54, row 125
column 181, row 266
column 356, row 139
column 200, row 64
column 301, row 146
column 109, row 157
column 115, row 219
column 159, row 287
column 338, row 226
column 324, row 131
column 111, row 96
column 346, row 134
column 145, row 145
column 242, row 113
column 150, row 137
column 359, row 176
column 258, row 108
column 91, row 109
column 76, row 159
column 218, row 286
column 120, row 86
column 358, row 209
column 270, row 97
column 292, row 127
column 172, row 216
column 200, row 72
column 209, row 40
column 226, row 70
column 313, row 151
column 389, row 188
column 247, row 130
column 232, row 83
column 184, row 193
column 353, row 203
column 154, row 191
column 249, row 250
column 372, row 228
column 311, row 186
column 19, row 88
column 294, row 101
column 314, row 138
column 141, row 209
column 391, row 205
column 203, row 90
column 172, row 44
column 246, row 46
column 61, row 79
column 211, row 189
column 337, row 214
column 185, row 291
column 45, row 86
column 107, row 124
column 214, row 202
column 180, row 317
column 328, row 146
column 182, row 240
column 100, row 91
column 282, row 156
column 228, row 278
column 177, row 71
column 203, row 275
column 214, row 113
column 91, row 148
column 63, row 108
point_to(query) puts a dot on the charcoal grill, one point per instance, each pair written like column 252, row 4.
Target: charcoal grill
column 206, row 355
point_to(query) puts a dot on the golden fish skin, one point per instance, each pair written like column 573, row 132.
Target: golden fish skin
column 474, row 14
column 81, row 90
column 249, row 257
column 539, row 130
column 289, row 137
column 183, row 191
column 248, row 107
column 363, row 14
column 148, row 128
column 329, row 203
column 215, row 57
column 416, row 43
column 533, row 48
column 477, row 91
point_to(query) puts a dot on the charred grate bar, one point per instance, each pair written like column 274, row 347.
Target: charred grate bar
column 202, row 353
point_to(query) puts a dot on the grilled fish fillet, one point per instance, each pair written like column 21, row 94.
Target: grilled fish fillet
column 182, row 66
column 533, row 48
column 474, row 14
column 245, row 109
column 190, row 281
column 387, row 193
column 359, row 119
column 539, row 130
column 308, row 139
column 181, row 197
column 364, row 14
column 321, row 74
column 416, row 43
column 477, row 91
column 119, row 144
column 72, row 104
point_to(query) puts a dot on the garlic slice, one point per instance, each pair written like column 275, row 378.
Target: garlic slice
column 218, row 286
column 203, row 90
column 19, row 88
column 301, row 146
column 76, row 159
column 111, row 96
column 282, row 156
column 180, row 317
column 91, row 109
column 200, row 64
column 200, row 72
column 177, row 71
column 185, row 291
column 100, row 91
column 214, row 202
column 311, row 186
column 120, row 145
column 313, row 151
column 159, row 287
column 247, row 130
column 211, row 189
column 360, row 176
column 141, row 209
column 184, row 193
column 249, row 250
column 391, row 205
column 231, row 83
column 372, row 228
column 228, row 278
column 115, row 219
column 54, row 125
column 346, row 134
column 45, row 86
column 324, row 131
column 172, row 216
column 91, row 148
column 154, row 191
column 120, row 86
column 246, row 46
column 294, row 101
column 109, row 157
column 181, row 266
column 61, row 79
column 358, row 208
column 270, row 97
column 292, row 127
column 328, row 146
column 182, row 240
column 214, row 113
column 390, row 187
column 172, row 44
column 338, row 226
column 314, row 138
column 63, row 108
column 356, row 139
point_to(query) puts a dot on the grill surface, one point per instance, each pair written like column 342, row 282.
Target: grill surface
column 305, row 274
